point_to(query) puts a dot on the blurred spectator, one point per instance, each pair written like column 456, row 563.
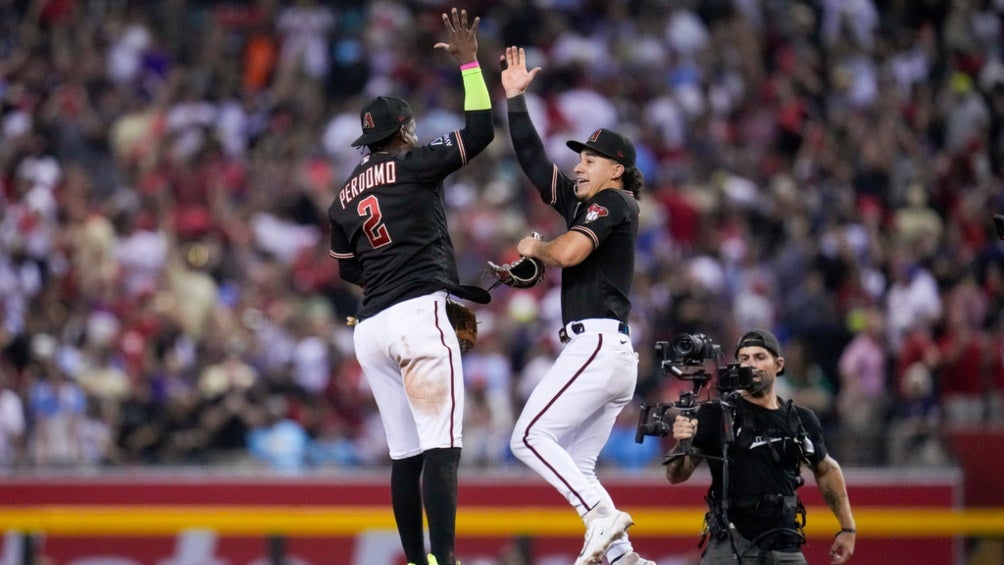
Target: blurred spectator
column 863, row 398
column 141, row 428
column 12, row 422
column 805, row 383
column 919, row 347
column 962, row 370
column 101, row 377
column 96, row 434
column 304, row 28
column 281, row 443
column 56, row 408
column 313, row 355
column 915, row 427
column 912, row 297
column 232, row 403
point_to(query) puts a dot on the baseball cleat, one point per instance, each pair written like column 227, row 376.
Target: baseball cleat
column 600, row 533
column 632, row 558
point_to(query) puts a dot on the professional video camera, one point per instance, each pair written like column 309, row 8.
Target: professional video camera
column 687, row 356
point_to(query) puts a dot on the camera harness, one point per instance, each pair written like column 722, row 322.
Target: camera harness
column 717, row 522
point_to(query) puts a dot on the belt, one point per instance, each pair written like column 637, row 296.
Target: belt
column 765, row 501
column 600, row 325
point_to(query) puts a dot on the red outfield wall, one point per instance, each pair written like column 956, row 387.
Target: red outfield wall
column 195, row 518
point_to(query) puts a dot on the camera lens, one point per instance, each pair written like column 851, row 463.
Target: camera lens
column 688, row 346
column 683, row 346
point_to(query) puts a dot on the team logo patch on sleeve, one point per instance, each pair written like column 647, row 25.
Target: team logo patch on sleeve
column 445, row 141
column 595, row 212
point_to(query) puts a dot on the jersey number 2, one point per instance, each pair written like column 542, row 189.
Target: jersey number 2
column 373, row 226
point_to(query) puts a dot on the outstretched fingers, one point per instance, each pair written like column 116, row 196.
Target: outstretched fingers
column 463, row 34
column 514, row 56
column 456, row 21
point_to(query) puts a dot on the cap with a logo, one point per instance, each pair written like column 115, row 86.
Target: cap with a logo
column 609, row 144
column 760, row 338
column 381, row 118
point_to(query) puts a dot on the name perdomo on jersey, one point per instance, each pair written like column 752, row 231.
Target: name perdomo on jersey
column 379, row 174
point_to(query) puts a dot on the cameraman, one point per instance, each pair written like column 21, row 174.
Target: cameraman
column 760, row 519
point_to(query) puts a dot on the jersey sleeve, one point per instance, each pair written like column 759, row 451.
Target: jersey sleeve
column 339, row 246
column 604, row 212
column 349, row 268
column 450, row 151
column 556, row 189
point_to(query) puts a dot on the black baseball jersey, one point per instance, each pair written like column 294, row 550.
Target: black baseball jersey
column 599, row 286
column 764, row 459
column 388, row 222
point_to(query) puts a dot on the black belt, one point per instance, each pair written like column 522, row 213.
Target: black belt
column 579, row 327
column 765, row 501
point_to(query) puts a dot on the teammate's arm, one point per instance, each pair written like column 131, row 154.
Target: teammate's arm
column 552, row 185
column 349, row 267
column 478, row 129
column 350, row 270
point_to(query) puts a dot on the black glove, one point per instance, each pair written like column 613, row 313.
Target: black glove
column 524, row 272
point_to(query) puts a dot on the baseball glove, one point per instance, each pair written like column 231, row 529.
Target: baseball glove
column 524, row 272
column 464, row 322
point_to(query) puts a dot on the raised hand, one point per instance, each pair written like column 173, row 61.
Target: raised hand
column 463, row 44
column 515, row 77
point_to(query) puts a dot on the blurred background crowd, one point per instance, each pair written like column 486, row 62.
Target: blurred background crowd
column 827, row 169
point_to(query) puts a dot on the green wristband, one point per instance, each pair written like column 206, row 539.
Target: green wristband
column 475, row 90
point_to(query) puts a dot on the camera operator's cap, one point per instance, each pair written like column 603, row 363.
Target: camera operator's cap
column 608, row 143
column 381, row 117
column 760, row 338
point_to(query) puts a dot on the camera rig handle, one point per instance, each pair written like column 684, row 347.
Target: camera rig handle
column 688, row 406
column 651, row 424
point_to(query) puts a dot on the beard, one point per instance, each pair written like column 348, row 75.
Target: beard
column 757, row 389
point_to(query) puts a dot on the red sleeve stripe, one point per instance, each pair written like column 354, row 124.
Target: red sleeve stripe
column 460, row 147
column 554, row 184
column 341, row 255
column 588, row 233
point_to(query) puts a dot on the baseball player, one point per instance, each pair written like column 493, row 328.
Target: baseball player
column 568, row 417
column 389, row 234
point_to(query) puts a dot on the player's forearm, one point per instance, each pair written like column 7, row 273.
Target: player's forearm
column 479, row 128
column 566, row 250
column 476, row 95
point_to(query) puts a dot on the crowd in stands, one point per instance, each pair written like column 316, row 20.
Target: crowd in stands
column 826, row 169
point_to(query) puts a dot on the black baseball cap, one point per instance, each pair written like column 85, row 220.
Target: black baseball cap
column 609, row 144
column 760, row 338
column 381, row 117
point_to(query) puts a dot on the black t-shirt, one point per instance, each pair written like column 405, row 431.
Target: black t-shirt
column 764, row 460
